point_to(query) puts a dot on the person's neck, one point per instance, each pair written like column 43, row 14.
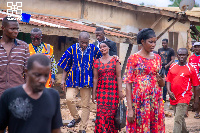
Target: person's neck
column 144, row 53
column 7, row 40
column 182, row 63
column 106, row 56
column 103, row 39
column 29, row 91
column 197, row 54
column 165, row 47
column 37, row 45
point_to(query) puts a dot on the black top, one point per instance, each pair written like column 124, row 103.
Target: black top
column 112, row 46
column 22, row 114
column 166, row 55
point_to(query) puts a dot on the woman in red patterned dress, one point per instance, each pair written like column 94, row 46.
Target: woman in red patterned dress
column 145, row 113
column 108, row 84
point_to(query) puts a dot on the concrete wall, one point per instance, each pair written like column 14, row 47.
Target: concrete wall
column 65, row 8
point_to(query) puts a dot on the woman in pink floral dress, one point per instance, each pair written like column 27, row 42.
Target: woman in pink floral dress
column 145, row 113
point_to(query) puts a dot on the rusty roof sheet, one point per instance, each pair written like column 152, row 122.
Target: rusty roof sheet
column 73, row 24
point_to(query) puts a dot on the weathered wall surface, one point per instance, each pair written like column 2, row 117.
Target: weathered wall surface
column 65, row 8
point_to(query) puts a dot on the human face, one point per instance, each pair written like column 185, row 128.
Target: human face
column 83, row 42
column 36, row 38
column 100, row 36
column 164, row 44
column 104, row 48
column 182, row 56
column 149, row 44
column 197, row 49
column 11, row 30
column 37, row 77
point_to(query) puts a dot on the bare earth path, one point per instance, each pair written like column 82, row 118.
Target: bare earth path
column 193, row 125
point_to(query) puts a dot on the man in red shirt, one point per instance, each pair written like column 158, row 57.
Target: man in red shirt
column 180, row 78
column 195, row 61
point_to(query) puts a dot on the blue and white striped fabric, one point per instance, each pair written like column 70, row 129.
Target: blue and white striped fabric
column 79, row 65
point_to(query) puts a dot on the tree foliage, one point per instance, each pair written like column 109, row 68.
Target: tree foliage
column 176, row 3
column 142, row 4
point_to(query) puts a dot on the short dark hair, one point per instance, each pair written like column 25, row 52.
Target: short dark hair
column 100, row 29
column 145, row 34
column 7, row 19
column 40, row 58
column 106, row 42
column 182, row 50
column 166, row 40
column 36, row 30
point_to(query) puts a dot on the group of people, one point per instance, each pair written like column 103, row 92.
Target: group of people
column 92, row 69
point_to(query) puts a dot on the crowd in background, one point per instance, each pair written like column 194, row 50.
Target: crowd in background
column 29, row 104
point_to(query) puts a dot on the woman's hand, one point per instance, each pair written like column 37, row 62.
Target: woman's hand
column 121, row 95
column 130, row 115
column 94, row 98
column 160, row 80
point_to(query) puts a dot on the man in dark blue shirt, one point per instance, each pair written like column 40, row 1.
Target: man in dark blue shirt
column 167, row 56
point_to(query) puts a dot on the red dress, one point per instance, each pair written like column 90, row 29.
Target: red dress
column 147, row 101
column 107, row 96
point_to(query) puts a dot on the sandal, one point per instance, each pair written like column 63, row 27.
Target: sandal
column 186, row 115
column 197, row 116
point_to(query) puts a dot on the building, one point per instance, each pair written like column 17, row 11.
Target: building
column 62, row 20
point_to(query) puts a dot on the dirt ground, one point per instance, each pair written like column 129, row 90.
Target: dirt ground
column 193, row 125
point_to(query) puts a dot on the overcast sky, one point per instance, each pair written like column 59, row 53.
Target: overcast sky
column 159, row 3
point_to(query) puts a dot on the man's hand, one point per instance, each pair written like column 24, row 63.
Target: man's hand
column 166, row 66
column 63, row 85
column 171, row 95
column 52, row 82
column 130, row 116
column 94, row 98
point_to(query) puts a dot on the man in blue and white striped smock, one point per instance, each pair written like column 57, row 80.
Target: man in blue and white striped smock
column 77, row 65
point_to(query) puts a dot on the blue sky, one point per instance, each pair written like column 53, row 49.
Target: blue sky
column 159, row 3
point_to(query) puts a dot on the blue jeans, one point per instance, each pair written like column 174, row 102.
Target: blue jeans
column 165, row 87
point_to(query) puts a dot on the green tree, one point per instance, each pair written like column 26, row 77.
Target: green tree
column 176, row 3
column 142, row 4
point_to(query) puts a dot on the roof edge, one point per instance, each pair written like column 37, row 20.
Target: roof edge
column 138, row 8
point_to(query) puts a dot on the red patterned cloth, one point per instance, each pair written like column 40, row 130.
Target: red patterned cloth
column 107, row 96
column 147, row 98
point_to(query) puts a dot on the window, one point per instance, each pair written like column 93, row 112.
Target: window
column 173, row 41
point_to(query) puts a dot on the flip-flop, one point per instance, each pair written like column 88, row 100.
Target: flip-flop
column 197, row 116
